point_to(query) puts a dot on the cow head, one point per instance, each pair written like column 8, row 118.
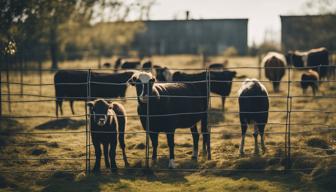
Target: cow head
column 101, row 112
column 144, row 83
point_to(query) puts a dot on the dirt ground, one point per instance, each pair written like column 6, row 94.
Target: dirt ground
column 31, row 146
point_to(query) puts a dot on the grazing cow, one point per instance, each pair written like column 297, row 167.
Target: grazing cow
column 171, row 106
column 316, row 59
column 253, row 108
column 310, row 79
column 162, row 74
column 107, row 119
column 72, row 85
column 221, row 81
column 126, row 64
column 274, row 64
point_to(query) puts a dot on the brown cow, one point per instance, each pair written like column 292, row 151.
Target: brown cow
column 274, row 64
column 310, row 79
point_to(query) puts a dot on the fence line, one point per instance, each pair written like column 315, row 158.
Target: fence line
column 288, row 125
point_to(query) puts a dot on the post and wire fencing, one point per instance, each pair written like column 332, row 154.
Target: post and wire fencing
column 290, row 120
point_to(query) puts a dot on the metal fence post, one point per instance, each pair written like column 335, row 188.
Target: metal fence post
column 208, row 107
column 88, row 126
column 287, row 132
column 21, row 75
column 147, row 128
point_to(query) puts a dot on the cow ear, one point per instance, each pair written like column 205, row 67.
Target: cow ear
column 132, row 80
column 90, row 104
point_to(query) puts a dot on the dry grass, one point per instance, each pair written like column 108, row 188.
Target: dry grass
column 225, row 144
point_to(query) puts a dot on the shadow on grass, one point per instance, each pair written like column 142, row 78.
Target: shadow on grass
column 65, row 123
column 8, row 128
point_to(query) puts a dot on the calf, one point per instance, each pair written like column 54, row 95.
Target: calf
column 310, row 79
column 107, row 119
column 274, row 64
column 73, row 85
column 221, row 81
column 253, row 108
column 171, row 106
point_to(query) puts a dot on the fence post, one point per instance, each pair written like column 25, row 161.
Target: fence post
column 88, row 125
column 288, row 116
column 259, row 66
column 147, row 128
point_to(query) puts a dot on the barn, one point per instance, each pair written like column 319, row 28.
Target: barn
column 212, row 36
column 308, row 31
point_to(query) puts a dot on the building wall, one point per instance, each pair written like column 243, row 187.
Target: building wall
column 307, row 32
column 192, row 36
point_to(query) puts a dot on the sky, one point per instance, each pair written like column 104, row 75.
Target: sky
column 263, row 15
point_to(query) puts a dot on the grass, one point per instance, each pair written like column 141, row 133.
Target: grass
column 50, row 143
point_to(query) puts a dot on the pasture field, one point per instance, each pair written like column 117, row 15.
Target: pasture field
column 59, row 145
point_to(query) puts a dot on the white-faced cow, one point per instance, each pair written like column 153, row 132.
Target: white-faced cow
column 171, row 106
column 315, row 59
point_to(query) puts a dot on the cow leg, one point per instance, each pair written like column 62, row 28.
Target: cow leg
column 255, row 135
column 154, row 139
column 96, row 167
column 122, row 146
column 113, row 148
column 106, row 157
column 71, row 106
column 170, row 140
column 223, row 103
column 195, row 136
column 242, row 142
column 206, row 137
column 59, row 103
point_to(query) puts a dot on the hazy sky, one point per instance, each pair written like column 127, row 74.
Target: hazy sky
column 263, row 15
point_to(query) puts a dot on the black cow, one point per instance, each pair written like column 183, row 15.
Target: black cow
column 253, row 108
column 162, row 74
column 316, row 59
column 171, row 106
column 119, row 64
column 310, row 79
column 107, row 120
column 147, row 66
column 221, row 81
column 72, row 85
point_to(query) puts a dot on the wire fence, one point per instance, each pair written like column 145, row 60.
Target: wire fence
column 89, row 94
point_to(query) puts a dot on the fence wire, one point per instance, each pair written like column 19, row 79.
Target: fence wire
column 208, row 81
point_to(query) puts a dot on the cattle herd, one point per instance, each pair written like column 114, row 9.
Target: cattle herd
column 167, row 101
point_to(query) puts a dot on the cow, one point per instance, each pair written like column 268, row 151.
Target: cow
column 310, row 79
column 147, row 66
column 119, row 64
column 274, row 64
column 73, row 85
column 253, row 108
column 315, row 59
column 221, row 81
column 170, row 106
column 162, row 74
column 107, row 120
